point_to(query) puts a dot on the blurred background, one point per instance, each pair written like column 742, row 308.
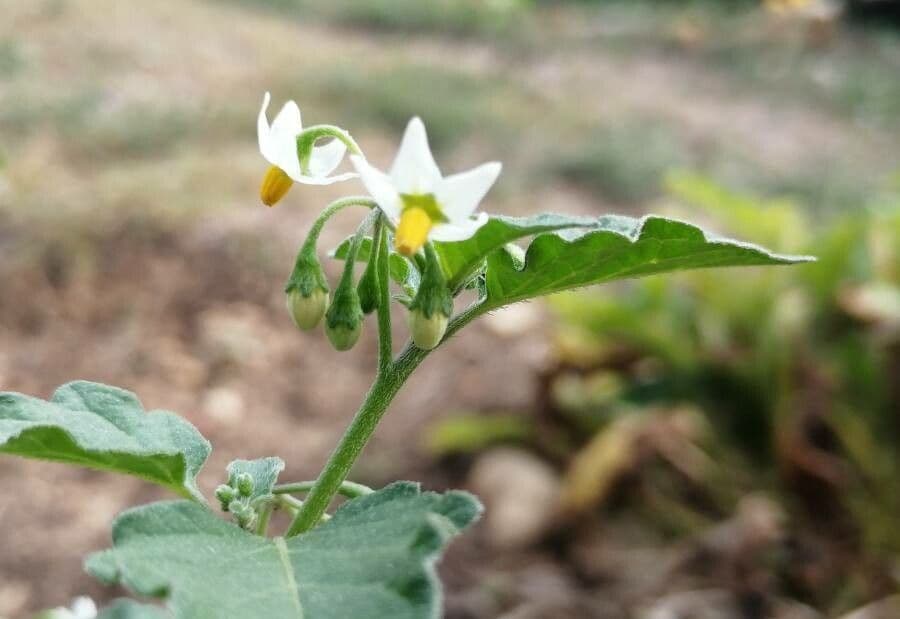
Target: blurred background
column 710, row 445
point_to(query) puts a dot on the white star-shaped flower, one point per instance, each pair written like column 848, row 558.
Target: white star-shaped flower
column 420, row 201
column 278, row 144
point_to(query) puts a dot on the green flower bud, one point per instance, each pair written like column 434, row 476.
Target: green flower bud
column 225, row 494
column 427, row 331
column 343, row 338
column 367, row 289
column 244, row 483
column 243, row 514
column 343, row 321
column 307, row 291
column 430, row 310
column 307, row 311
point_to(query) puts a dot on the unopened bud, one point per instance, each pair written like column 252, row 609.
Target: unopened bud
column 225, row 494
column 244, row 483
column 430, row 310
column 427, row 331
column 342, row 337
column 367, row 289
column 343, row 321
column 307, row 311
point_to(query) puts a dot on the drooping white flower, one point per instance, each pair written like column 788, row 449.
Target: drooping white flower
column 422, row 202
column 278, row 144
column 82, row 608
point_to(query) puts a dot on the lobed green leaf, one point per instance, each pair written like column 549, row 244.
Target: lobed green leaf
column 104, row 427
column 614, row 248
column 462, row 259
column 375, row 559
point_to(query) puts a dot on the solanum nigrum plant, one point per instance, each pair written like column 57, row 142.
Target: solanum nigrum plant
column 419, row 244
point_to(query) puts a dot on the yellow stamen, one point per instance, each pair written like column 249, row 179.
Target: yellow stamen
column 412, row 231
column 274, row 185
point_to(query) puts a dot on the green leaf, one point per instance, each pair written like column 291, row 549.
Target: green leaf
column 462, row 259
column 264, row 472
column 402, row 270
column 616, row 248
column 374, row 559
column 129, row 609
column 104, row 427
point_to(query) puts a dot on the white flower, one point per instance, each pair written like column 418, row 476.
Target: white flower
column 82, row 608
column 420, row 201
column 278, row 144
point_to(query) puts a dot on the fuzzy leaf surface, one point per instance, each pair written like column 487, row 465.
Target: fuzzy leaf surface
column 128, row 609
column 374, row 558
column 263, row 471
column 461, row 259
column 103, row 427
column 615, row 248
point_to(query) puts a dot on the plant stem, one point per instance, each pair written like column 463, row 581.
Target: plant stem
column 383, row 390
column 264, row 516
column 355, row 244
column 385, row 343
column 348, row 489
column 309, row 246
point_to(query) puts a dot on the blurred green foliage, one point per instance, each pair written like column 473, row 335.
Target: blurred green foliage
column 787, row 363
column 467, row 433
column 606, row 160
column 450, row 16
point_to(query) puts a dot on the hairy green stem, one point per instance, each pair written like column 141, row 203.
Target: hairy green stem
column 265, row 514
column 349, row 489
column 355, row 244
column 383, row 390
column 309, row 246
column 385, row 343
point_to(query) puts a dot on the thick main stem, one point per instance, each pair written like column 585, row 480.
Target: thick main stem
column 386, row 386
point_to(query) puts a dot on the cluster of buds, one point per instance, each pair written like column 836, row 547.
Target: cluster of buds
column 418, row 203
column 234, row 498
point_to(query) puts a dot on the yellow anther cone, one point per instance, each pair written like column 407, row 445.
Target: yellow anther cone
column 412, row 231
column 275, row 185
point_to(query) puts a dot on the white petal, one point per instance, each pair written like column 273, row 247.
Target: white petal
column 326, row 180
column 288, row 121
column 326, row 158
column 263, row 133
column 278, row 143
column 414, row 170
column 84, row 608
column 287, row 159
column 459, row 195
column 379, row 185
column 458, row 231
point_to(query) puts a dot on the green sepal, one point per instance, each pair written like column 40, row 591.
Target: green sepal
column 307, row 276
column 433, row 295
column 367, row 289
column 343, row 320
